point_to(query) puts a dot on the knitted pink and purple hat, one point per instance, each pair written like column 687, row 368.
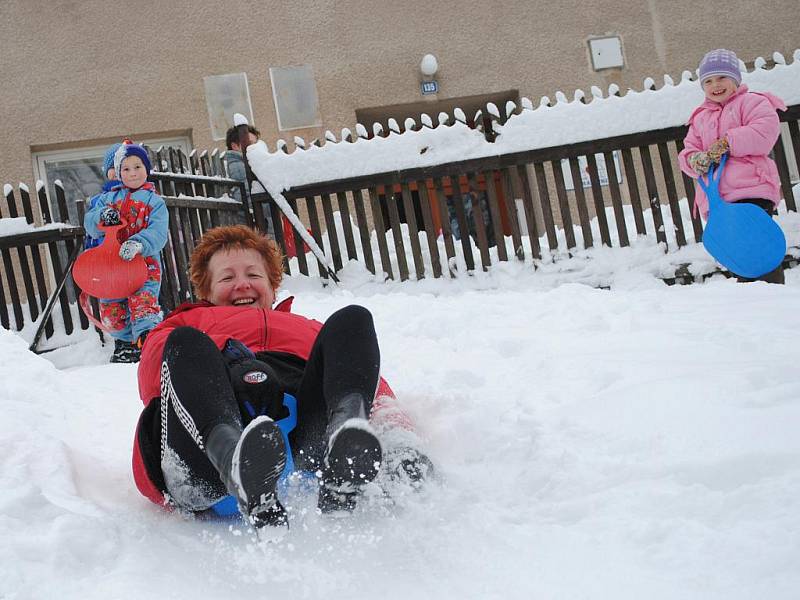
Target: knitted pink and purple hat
column 720, row 62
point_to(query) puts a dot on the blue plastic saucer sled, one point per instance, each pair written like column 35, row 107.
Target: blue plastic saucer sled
column 742, row 237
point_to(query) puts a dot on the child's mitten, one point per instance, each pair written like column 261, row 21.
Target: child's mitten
column 129, row 249
column 700, row 161
column 717, row 149
column 109, row 216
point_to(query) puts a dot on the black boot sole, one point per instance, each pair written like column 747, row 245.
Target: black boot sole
column 353, row 459
column 261, row 458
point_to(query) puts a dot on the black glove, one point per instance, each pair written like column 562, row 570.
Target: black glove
column 109, row 216
column 254, row 382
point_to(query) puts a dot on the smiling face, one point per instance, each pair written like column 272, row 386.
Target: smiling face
column 719, row 88
column 133, row 172
column 238, row 277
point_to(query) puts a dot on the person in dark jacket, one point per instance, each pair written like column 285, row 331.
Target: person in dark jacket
column 234, row 163
column 213, row 378
column 234, row 160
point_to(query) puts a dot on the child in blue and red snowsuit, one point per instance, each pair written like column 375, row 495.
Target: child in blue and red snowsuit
column 135, row 201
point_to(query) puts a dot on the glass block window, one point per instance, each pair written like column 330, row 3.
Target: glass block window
column 295, row 93
column 225, row 96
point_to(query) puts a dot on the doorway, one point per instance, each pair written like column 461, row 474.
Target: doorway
column 470, row 105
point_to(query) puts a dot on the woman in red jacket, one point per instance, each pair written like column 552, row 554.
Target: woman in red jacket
column 213, row 377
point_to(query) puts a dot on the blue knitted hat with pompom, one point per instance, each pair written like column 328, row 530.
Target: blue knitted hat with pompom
column 108, row 159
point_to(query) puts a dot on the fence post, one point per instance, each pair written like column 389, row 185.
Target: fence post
column 56, row 293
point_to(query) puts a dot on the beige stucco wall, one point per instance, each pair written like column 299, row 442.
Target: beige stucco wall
column 89, row 71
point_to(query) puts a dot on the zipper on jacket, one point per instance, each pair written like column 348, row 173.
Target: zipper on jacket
column 265, row 334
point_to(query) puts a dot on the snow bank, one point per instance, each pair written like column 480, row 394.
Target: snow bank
column 639, row 442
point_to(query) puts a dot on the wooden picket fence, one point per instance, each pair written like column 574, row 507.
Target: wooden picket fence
column 470, row 213
column 422, row 198
column 194, row 207
column 40, row 258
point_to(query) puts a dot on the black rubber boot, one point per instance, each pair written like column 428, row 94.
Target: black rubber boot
column 250, row 463
column 125, row 352
column 353, row 455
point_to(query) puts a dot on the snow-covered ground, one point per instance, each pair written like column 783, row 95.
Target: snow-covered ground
column 637, row 442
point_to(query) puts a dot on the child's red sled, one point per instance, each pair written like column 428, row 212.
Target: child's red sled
column 100, row 272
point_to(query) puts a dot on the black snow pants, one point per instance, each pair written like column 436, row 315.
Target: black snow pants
column 197, row 395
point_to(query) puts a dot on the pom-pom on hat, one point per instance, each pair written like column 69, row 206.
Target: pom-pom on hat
column 720, row 62
column 108, row 159
column 128, row 148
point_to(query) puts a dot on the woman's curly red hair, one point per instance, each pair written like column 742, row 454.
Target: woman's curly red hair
column 233, row 237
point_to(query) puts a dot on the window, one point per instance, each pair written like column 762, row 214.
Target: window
column 225, row 96
column 80, row 171
column 295, row 95
column 470, row 106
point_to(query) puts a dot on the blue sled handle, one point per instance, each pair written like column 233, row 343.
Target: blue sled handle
column 228, row 506
column 712, row 187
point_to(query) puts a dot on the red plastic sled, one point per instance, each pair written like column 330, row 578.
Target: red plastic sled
column 85, row 302
column 100, row 272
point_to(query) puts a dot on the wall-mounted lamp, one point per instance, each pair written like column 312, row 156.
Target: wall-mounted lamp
column 429, row 65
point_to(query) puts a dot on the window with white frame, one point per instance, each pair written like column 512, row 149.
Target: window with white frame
column 295, row 94
column 80, row 171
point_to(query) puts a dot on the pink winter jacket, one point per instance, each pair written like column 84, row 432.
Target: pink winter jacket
column 750, row 122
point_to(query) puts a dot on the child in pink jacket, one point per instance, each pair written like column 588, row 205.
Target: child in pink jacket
column 744, row 125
